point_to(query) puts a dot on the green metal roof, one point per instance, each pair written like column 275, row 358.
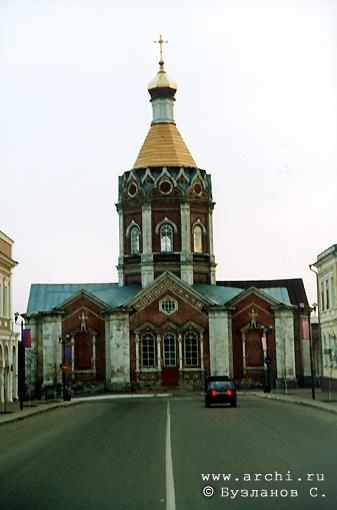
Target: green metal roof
column 221, row 295
column 47, row 296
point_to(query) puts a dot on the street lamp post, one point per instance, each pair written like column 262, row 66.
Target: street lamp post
column 21, row 357
column 64, row 367
column 266, row 355
column 312, row 365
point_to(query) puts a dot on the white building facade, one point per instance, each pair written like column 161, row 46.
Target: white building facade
column 326, row 266
column 8, row 339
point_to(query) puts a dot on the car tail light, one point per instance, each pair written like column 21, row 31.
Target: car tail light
column 229, row 393
column 213, row 393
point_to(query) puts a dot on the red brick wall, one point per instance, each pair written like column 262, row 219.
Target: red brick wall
column 240, row 319
column 71, row 322
column 152, row 315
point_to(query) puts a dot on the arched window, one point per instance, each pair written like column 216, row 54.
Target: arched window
column 135, row 235
column 148, row 350
column 197, row 239
column 191, row 349
column 169, row 350
column 166, row 238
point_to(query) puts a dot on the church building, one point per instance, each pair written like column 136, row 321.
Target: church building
column 167, row 322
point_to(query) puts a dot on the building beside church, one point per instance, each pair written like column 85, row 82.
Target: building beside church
column 8, row 339
column 167, row 322
column 326, row 266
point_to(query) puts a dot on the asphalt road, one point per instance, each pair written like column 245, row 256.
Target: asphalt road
column 153, row 454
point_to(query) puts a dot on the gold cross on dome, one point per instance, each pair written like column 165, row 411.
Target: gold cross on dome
column 161, row 42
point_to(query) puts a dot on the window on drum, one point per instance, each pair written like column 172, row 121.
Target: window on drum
column 135, row 235
column 197, row 239
column 166, row 238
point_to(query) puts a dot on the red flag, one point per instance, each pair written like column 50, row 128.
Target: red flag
column 305, row 329
column 26, row 339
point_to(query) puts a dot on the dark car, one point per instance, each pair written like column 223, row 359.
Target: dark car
column 211, row 378
column 220, row 392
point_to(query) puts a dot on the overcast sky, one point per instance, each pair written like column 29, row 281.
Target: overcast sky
column 256, row 105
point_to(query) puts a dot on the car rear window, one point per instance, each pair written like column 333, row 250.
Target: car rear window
column 215, row 385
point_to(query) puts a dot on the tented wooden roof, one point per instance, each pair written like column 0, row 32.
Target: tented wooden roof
column 164, row 146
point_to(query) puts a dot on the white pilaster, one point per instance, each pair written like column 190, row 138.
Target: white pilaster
column 211, row 247
column 285, row 347
column 147, row 269
column 137, row 353
column 202, row 366
column 93, row 362
column 51, row 332
column 180, row 351
column 159, row 353
column 121, row 249
column 118, row 350
column 186, row 251
column 210, row 230
column 72, row 343
column 220, row 343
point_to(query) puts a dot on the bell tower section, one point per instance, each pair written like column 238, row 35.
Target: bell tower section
column 165, row 203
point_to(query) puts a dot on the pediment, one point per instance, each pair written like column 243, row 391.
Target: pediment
column 78, row 296
column 160, row 286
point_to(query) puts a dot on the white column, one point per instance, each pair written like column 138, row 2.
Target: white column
column 180, row 351
column 285, row 346
column 186, row 251
column 93, row 362
column 243, row 339
column 2, row 383
column 121, row 249
column 137, row 353
column 72, row 342
column 185, row 215
column 220, row 342
column 211, row 248
column 159, row 352
column 147, row 268
column 1, row 296
column 210, row 230
column 119, row 350
column 202, row 366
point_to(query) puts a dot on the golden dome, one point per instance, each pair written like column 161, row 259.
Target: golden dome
column 162, row 80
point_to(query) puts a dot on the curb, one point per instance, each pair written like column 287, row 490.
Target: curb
column 40, row 409
column 28, row 412
column 323, row 406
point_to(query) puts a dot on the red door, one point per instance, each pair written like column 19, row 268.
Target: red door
column 170, row 373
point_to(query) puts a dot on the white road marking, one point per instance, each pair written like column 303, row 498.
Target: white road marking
column 170, row 495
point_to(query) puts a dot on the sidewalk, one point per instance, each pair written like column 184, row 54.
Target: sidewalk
column 302, row 396
column 14, row 413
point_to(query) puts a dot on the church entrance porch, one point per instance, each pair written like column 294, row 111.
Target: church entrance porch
column 168, row 357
